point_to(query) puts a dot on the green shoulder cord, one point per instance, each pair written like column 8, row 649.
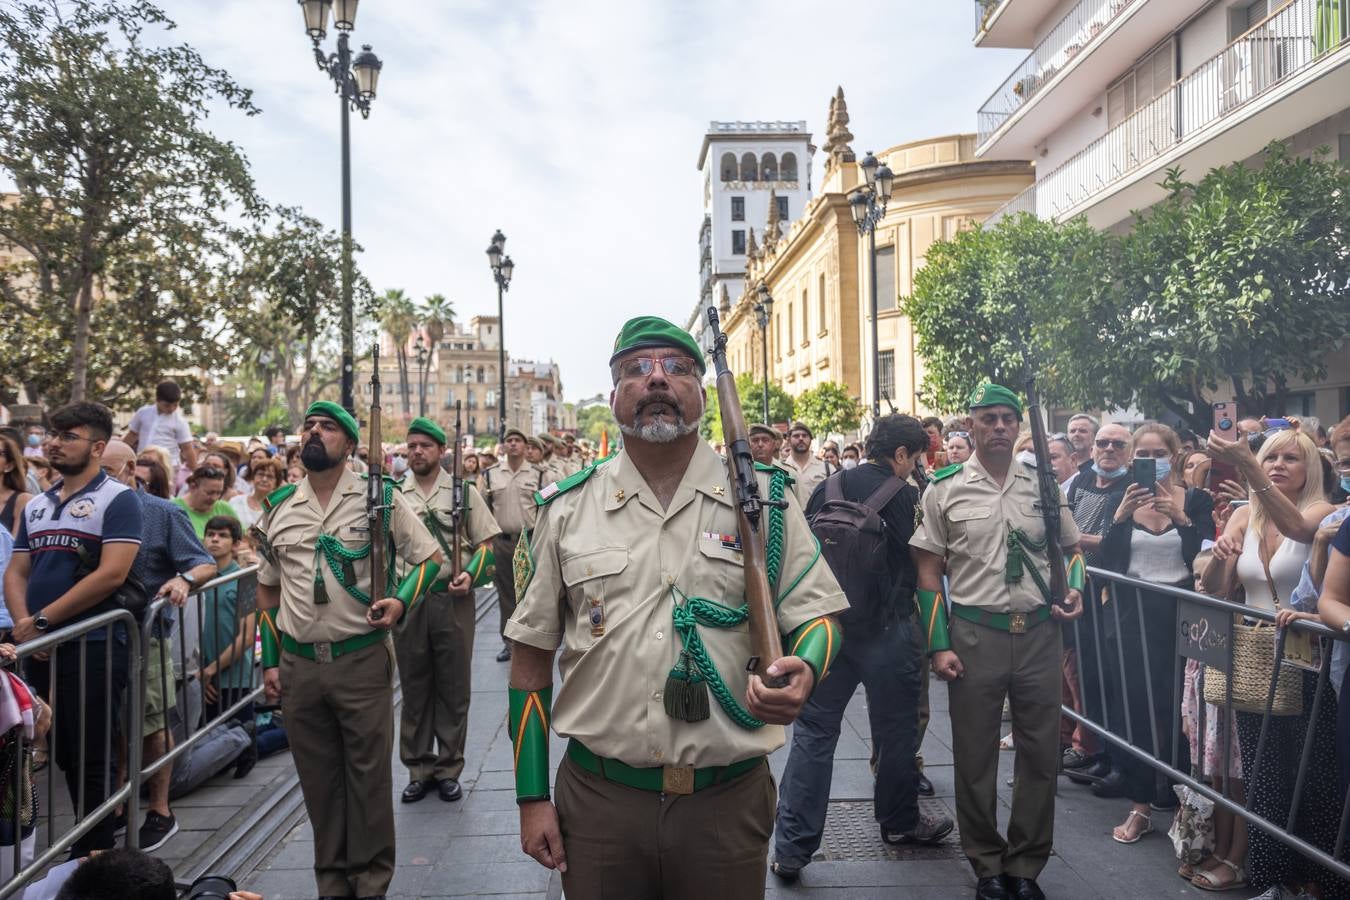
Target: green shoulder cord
column 342, row 562
column 817, row 644
column 271, row 643
column 530, row 712
column 1020, row 548
column 1077, row 573
column 933, row 612
column 416, row 583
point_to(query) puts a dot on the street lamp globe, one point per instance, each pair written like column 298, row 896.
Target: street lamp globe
column 499, row 240
column 857, row 204
column 344, row 15
column 316, row 17
column 869, row 167
column 494, row 255
column 507, row 268
column 366, row 67
column 765, row 297
column 885, row 181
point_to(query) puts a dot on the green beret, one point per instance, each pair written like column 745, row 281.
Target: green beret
column 645, row 332
column 758, row 428
column 423, row 425
column 989, row 394
column 513, row 431
column 800, row 426
column 335, row 412
column 534, row 442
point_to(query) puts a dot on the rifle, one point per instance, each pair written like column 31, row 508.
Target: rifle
column 765, row 641
column 457, row 492
column 375, row 490
column 1049, row 491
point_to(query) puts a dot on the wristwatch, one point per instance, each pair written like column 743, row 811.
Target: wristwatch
column 187, row 576
column 1345, row 626
column 40, row 622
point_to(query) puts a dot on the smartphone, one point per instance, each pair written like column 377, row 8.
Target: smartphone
column 1225, row 419
column 1145, row 470
column 1234, row 504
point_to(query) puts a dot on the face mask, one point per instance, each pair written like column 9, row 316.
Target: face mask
column 1109, row 475
column 35, row 440
column 850, row 464
column 1027, row 458
column 400, row 465
column 1164, row 467
column 1345, row 483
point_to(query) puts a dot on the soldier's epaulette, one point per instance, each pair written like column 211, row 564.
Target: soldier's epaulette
column 946, row 472
column 278, row 497
column 545, row 496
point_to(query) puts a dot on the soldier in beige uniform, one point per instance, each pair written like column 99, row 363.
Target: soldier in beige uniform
column 509, row 489
column 635, row 572
column 434, row 642
column 981, row 520
column 806, row 469
column 326, row 649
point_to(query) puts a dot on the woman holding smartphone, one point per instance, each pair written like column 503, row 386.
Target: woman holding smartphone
column 1154, row 535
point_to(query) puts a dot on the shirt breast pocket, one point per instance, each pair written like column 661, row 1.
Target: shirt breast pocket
column 975, row 527
column 1031, row 522
column 719, row 576
column 588, row 576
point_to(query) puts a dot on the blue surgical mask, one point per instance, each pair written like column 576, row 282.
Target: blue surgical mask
column 35, row 440
column 1164, row 467
column 1345, row 483
column 1111, row 474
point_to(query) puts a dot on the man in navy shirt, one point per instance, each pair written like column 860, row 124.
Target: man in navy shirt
column 46, row 588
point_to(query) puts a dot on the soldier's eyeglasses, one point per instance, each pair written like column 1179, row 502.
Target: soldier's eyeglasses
column 1104, row 443
column 642, row 366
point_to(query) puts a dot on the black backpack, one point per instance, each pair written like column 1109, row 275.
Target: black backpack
column 853, row 541
column 130, row 595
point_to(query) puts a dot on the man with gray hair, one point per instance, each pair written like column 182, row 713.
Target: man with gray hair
column 1082, row 430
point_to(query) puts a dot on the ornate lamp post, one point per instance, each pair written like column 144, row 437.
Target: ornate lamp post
column 868, row 204
column 423, row 364
column 763, row 310
column 354, row 80
column 502, row 267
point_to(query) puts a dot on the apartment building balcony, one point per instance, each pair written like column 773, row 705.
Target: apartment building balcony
column 1069, row 67
column 1009, row 23
column 1285, row 74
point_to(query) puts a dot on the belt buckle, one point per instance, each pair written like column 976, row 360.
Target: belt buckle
column 323, row 651
column 677, row 779
column 1017, row 623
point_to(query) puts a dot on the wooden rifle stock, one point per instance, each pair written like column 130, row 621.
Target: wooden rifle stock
column 457, row 492
column 765, row 640
column 375, row 488
column 1048, row 488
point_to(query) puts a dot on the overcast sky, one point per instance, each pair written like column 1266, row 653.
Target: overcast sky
column 574, row 126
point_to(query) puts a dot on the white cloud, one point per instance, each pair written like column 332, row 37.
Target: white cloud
column 572, row 126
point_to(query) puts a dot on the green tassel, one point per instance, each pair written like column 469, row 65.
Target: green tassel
column 1013, row 572
column 320, row 589
column 686, row 694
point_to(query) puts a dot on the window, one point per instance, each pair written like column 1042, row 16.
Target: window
column 749, row 167
column 789, row 167
column 738, row 209
column 820, row 299
column 791, row 327
column 806, row 319
column 1148, row 80
column 778, row 335
column 1344, row 148
column 886, row 373
column 769, row 167
column 886, row 294
column 480, row 374
column 728, row 167
column 782, row 208
column 738, row 242
column 490, row 398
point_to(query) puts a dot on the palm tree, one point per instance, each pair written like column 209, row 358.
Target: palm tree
column 438, row 311
column 398, row 317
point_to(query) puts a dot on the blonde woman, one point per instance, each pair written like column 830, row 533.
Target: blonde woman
column 1264, row 547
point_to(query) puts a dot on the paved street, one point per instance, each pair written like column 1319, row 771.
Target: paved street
column 470, row 848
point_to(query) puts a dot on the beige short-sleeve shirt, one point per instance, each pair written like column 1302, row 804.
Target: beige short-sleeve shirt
column 965, row 519
column 806, row 477
column 479, row 525
column 293, row 530
column 607, row 545
column 510, row 494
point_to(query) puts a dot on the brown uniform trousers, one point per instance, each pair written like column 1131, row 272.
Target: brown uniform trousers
column 503, row 577
column 627, row 844
column 434, row 645
column 340, row 720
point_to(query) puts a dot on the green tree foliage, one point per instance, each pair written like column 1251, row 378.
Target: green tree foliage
column 1234, row 285
column 124, row 204
column 829, row 409
column 751, row 394
column 592, row 420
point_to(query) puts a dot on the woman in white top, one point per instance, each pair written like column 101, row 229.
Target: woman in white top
column 1265, row 545
column 264, row 476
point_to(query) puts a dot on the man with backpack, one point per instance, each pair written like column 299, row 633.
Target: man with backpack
column 863, row 519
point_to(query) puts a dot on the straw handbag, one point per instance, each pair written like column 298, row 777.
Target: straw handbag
column 1253, row 663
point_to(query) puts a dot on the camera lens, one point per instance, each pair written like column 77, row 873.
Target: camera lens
column 211, row 887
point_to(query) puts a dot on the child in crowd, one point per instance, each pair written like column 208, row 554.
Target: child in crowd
column 227, row 637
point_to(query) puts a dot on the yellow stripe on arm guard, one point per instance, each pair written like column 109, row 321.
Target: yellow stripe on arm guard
column 416, row 583
column 1077, row 578
column 480, row 567
column 271, row 641
column 817, row 643
column 528, row 720
column 933, row 618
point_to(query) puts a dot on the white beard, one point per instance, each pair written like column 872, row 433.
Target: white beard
column 659, row 432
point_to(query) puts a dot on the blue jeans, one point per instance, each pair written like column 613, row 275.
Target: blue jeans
column 888, row 662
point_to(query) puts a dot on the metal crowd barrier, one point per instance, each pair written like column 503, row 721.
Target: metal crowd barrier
column 53, row 645
column 1203, row 628
column 163, row 629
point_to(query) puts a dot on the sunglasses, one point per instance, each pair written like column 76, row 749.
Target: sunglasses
column 1104, row 443
column 960, row 434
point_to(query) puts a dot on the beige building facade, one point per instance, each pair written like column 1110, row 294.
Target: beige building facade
column 819, row 275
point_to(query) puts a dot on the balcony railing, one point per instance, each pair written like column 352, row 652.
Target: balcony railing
column 1293, row 39
column 1070, row 36
column 983, row 10
column 1023, row 202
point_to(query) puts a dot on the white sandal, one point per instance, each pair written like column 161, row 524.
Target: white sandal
column 1147, row 829
column 1006, row 743
column 1206, row 880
